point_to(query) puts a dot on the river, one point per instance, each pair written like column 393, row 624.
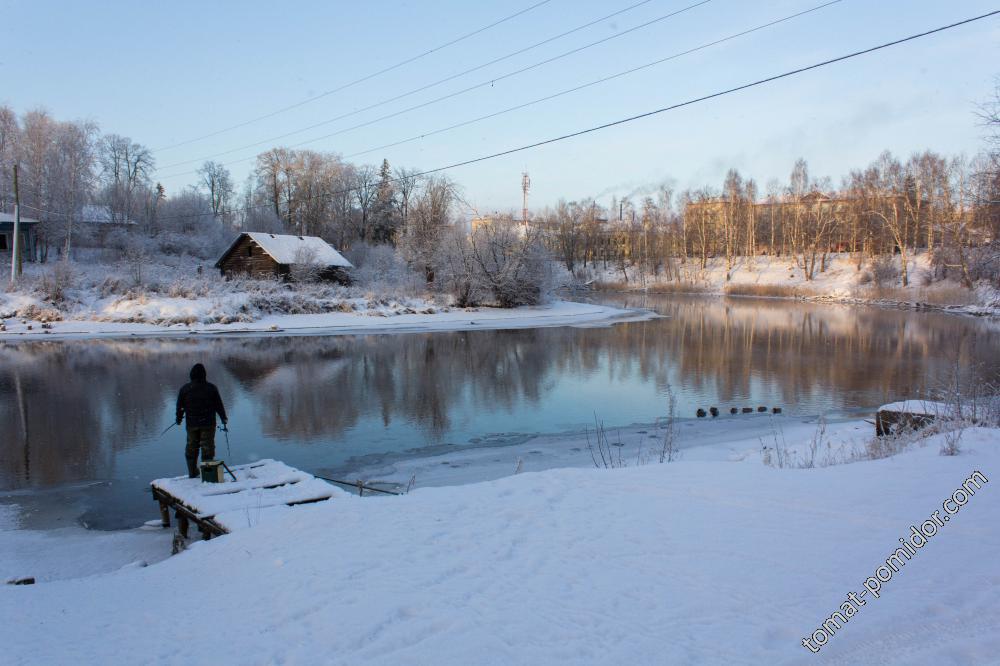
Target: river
column 82, row 418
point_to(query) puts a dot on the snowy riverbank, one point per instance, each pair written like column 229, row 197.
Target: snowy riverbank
column 694, row 561
column 842, row 282
column 377, row 319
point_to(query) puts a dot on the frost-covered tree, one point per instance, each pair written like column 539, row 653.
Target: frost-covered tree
column 9, row 134
column 217, row 183
column 126, row 167
column 365, row 191
column 71, row 170
column 430, row 217
column 511, row 262
column 384, row 220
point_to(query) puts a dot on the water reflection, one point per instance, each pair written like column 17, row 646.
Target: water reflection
column 83, row 410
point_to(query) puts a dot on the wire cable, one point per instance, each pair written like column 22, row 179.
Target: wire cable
column 355, row 82
column 622, row 121
column 488, row 82
column 595, row 82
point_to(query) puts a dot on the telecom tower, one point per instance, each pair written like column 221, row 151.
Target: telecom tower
column 525, row 186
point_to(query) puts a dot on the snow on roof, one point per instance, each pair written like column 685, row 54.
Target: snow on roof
column 7, row 217
column 921, row 408
column 292, row 249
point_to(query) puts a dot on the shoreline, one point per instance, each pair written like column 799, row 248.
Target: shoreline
column 557, row 313
column 912, row 306
column 842, row 282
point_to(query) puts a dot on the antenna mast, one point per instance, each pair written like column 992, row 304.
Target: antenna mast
column 525, row 186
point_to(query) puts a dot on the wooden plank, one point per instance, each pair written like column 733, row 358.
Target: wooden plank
column 267, row 483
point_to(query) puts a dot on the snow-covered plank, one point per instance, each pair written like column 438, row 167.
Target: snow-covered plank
column 258, row 485
column 919, row 407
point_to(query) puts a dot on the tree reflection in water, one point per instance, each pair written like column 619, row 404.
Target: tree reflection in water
column 80, row 410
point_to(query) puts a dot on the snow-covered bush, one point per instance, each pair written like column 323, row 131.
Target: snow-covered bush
column 306, row 267
column 55, row 282
column 884, row 271
column 501, row 263
column 381, row 269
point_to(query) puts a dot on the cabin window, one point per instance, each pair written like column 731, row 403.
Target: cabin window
column 249, row 250
column 3, row 241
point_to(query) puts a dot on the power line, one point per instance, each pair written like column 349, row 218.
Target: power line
column 430, row 85
column 360, row 80
column 622, row 121
column 594, row 82
column 482, row 84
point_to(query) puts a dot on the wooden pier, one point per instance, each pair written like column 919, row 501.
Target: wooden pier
column 260, row 489
column 912, row 415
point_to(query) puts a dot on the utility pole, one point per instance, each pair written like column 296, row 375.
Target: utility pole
column 525, row 186
column 15, row 258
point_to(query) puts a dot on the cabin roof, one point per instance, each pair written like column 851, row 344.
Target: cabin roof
column 7, row 217
column 286, row 249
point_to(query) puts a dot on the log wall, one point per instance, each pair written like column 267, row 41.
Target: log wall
column 247, row 258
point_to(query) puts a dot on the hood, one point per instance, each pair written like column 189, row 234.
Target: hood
column 198, row 373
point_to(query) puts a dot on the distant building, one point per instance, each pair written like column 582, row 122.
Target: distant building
column 495, row 220
column 268, row 255
column 29, row 236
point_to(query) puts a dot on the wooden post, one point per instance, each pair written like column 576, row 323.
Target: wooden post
column 15, row 257
column 361, row 488
column 182, row 523
column 164, row 514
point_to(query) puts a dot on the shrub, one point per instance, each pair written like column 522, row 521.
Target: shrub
column 884, row 271
column 765, row 290
column 55, row 282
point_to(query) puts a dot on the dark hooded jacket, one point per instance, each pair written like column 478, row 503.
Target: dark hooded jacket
column 199, row 401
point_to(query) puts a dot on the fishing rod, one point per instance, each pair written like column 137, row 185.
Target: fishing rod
column 165, row 431
column 225, row 428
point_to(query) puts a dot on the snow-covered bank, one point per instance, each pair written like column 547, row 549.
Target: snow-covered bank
column 842, row 282
column 688, row 562
column 375, row 320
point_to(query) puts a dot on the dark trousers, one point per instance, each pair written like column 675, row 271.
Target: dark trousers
column 199, row 439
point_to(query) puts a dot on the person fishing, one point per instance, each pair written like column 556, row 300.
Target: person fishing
column 199, row 401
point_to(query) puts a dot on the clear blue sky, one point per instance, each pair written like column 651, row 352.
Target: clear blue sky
column 167, row 72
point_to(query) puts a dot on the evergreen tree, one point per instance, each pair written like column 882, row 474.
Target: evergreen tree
column 384, row 213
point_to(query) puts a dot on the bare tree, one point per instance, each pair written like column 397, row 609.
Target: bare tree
column 126, row 168
column 72, row 172
column 407, row 183
column 365, row 191
column 216, row 181
column 9, row 138
column 422, row 236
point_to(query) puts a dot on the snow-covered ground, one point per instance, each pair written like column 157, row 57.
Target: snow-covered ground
column 387, row 318
column 715, row 558
column 841, row 282
column 178, row 295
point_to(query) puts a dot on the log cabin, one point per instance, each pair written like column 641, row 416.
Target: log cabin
column 258, row 254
